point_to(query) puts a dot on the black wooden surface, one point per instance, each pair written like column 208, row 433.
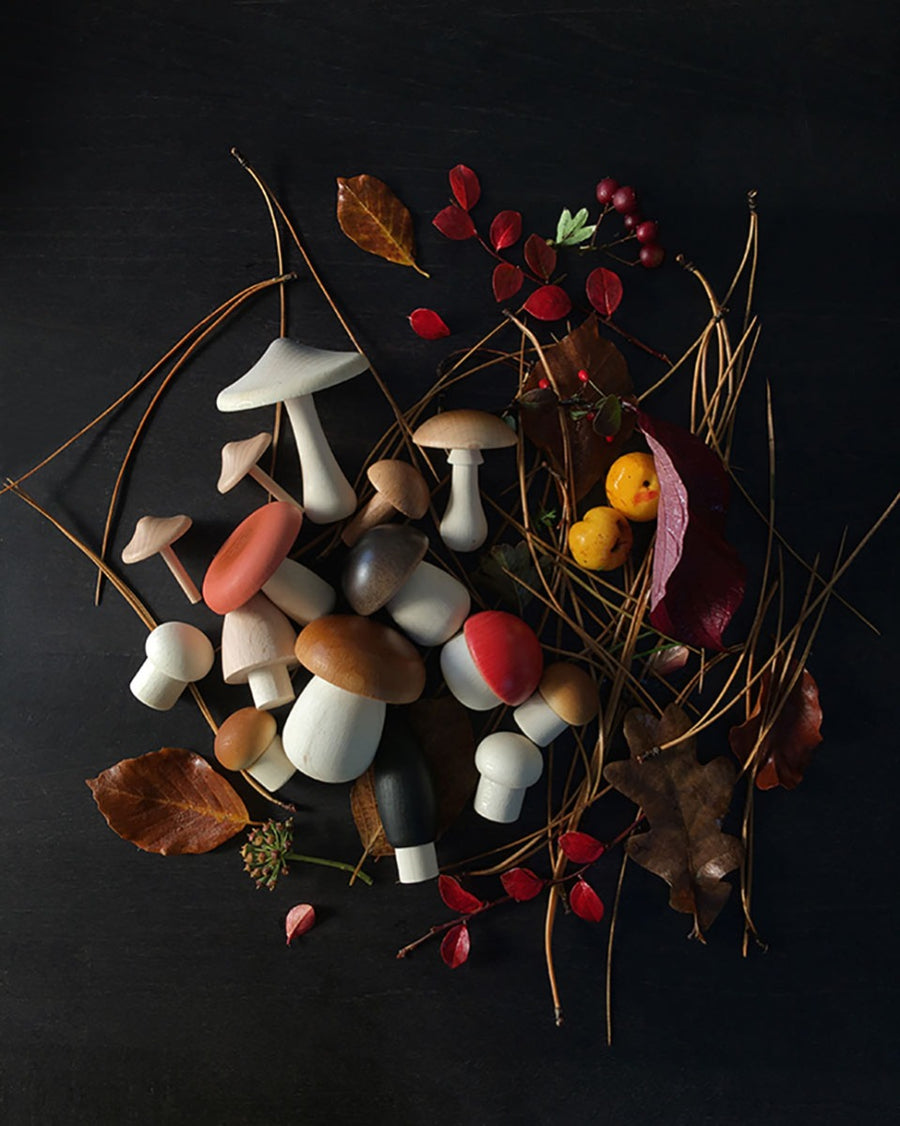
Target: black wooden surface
column 138, row 989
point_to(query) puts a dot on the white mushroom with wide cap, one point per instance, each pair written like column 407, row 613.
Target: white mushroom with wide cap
column 465, row 433
column 248, row 740
column 566, row 697
column 258, row 650
column 508, row 764
column 239, row 460
column 289, row 372
column 154, row 535
column 177, row 655
column 400, row 490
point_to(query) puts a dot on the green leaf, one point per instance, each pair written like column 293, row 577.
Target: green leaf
column 576, row 235
column 608, row 417
column 563, row 225
column 499, row 568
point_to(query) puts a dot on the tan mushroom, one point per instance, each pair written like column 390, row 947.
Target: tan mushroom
column 400, row 490
column 249, row 740
column 258, row 650
column 239, row 461
column 565, row 697
column 154, row 535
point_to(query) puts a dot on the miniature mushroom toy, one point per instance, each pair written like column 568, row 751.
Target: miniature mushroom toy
column 154, row 535
column 386, row 568
column 239, row 461
column 508, row 764
column 496, row 659
column 400, row 490
column 358, row 666
column 465, row 433
column 566, row 697
column 289, row 372
column 177, row 655
column 249, row 740
column 257, row 650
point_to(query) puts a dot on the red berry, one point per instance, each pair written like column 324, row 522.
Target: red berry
column 583, row 376
column 605, row 189
column 624, row 200
column 543, row 384
column 652, row 256
column 590, row 416
column 632, row 220
column 647, row 231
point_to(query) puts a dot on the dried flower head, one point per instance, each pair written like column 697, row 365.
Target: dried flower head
column 265, row 851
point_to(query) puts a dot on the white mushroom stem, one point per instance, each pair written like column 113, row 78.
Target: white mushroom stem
column 430, row 606
column 332, row 735
column 539, row 721
column 464, row 525
column 273, row 768
column 463, row 678
column 327, row 494
column 155, row 688
column 299, row 592
column 272, row 487
column 183, row 579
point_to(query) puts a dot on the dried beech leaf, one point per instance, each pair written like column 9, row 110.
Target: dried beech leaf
column 585, row 902
column 455, row 946
column 456, row 897
column 443, row 730
column 300, row 919
column 522, row 884
column 366, row 817
column 170, row 801
column 684, row 803
column 371, row 215
column 581, row 848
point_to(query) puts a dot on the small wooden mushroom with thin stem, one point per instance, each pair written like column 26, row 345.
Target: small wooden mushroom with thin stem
column 248, row 740
column 239, row 460
column 495, row 659
column 154, row 535
column 508, row 764
column 177, row 654
column 566, row 697
column 400, row 490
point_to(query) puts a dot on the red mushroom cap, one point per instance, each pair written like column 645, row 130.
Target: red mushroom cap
column 250, row 556
column 506, row 652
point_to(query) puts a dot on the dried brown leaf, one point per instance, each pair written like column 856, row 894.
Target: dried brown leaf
column 367, row 818
column 373, row 217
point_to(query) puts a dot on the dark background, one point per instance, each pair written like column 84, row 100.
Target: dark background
column 139, row 989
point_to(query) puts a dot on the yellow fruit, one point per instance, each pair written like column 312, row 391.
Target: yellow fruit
column 632, row 486
column 601, row 541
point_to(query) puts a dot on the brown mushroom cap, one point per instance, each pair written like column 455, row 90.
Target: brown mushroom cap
column 464, row 430
column 243, row 738
column 401, row 484
column 363, row 657
column 379, row 563
column 238, row 458
column 152, row 534
column 570, row 692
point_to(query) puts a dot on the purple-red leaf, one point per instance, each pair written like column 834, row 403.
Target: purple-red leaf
column 465, row 186
column 549, row 303
column 506, row 281
column 604, row 290
column 428, row 324
column 540, row 256
column 454, row 223
column 299, row 920
column 455, row 946
column 506, row 229
column 522, row 884
column 456, row 897
column 698, row 579
column 581, row 848
column 585, row 902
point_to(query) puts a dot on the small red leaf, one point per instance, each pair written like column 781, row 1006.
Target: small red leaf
column 299, row 920
column 604, row 290
column 541, row 257
column 549, row 303
column 455, row 946
column 585, row 902
column 581, row 848
column 456, row 897
column 454, row 223
column 522, row 884
column 465, row 186
column 506, row 229
column 506, row 281
column 428, row 324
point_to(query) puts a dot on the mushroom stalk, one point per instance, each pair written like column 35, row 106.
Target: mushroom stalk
column 539, row 721
column 463, row 678
column 464, row 525
column 271, row 486
column 331, row 735
column 377, row 510
column 430, row 606
column 327, row 494
column 181, row 576
column 155, row 688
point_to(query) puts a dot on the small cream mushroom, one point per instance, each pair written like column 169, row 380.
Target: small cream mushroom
column 566, row 697
column 465, row 433
column 248, row 740
column 239, row 461
column 258, row 650
column 177, row 655
column 154, row 535
column 508, row 764
column 400, row 490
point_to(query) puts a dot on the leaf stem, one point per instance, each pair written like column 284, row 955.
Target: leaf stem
column 351, row 868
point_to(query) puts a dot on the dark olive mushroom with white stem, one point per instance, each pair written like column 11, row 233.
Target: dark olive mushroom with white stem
column 566, row 697
column 154, row 535
column 508, row 764
column 239, row 460
column 400, row 490
column 177, row 655
column 248, row 740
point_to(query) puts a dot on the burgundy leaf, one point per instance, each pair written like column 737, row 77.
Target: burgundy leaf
column 454, row 223
column 540, row 256
column 428, row 324
column 585, row 902
column 581, row 848
column 456, row 897
column 604, row 290
column 506, row 229
column 549, row 303
column 522, row 884
column 299, row 920
column 455, row 946
column 465, row 186
column 506, row 281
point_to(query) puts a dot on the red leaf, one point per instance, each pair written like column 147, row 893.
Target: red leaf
column 455, row 946
column 428, row 324
column 522, row 884
column 549, row 303
column 507, row 281
column 456, row 897
column 506, row 229
column 585, row 902
column 465, row 186
column 604, row 290
column 698, row 579
column 541, row 257
column 454, row 223
column 581, row 848
column 299, row 920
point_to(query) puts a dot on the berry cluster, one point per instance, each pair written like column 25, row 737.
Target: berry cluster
column 646, row 231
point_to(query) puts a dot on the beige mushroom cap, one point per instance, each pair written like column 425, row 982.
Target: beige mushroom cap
column 401, row 484
column 570, row 692
column 244, row 737
column 464, row 430
column 238, row 458
column 152, row 534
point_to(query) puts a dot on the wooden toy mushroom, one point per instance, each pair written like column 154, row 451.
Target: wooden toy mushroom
column 254, row 558
column 257, row 650
column 177, row 654
column 400, row 490
column 358, row 667
column 154, row 535
column 386, row 568
column 289, row 372
column 566, row 697
column 249, row 740
column 465, row 433
column 508, row 764
column 239, row 461
column 404, row 793
column 496, row 659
